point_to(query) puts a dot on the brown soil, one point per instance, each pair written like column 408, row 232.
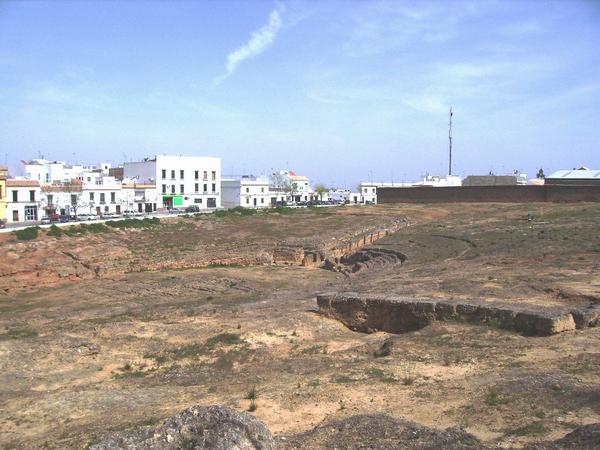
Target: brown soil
column 84, row 356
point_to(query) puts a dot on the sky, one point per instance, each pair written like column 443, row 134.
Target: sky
column 339, row 91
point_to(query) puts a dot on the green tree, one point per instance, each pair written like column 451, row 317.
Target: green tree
column 540, row 174
column 320, row 189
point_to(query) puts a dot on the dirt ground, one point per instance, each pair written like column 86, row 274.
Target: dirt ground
column 84, row 356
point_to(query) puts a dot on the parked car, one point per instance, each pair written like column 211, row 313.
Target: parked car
column 46, row 220
column 109, row 216
column 64, row 219
column 130, row 213
column 2, row 223
column 175, row 211
column 192, row 209
column 54, row 218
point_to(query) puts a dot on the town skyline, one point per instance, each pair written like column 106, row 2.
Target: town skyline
column 342, row 92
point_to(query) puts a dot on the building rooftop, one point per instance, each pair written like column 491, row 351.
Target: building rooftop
column 577, row 174
column 22, row 183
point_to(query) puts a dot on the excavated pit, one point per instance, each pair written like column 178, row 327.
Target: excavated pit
column 370, row 313
column 365, row 259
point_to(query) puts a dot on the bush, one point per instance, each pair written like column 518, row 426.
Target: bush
column 27, row 234
column 54, row 231
column 134, row 223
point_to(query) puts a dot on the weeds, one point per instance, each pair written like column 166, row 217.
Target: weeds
column 493, row 398
column 251, row 394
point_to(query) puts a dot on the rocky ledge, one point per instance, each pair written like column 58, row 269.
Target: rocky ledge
column 369, row 313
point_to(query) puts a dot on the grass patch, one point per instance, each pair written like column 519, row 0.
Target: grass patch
column 198, row 349
column 378, row 374
column 492, row 398
column 534, row 428
column 27, row 234
column 343, row 379
column 18, row 333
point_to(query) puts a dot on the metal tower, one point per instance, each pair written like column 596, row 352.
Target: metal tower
column 450, row 143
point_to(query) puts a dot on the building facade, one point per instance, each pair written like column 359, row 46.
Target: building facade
column 248, row 192
column 3, row 177
column 23, row 200
column 180, row 181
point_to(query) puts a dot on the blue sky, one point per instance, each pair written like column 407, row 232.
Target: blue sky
column 334, row 90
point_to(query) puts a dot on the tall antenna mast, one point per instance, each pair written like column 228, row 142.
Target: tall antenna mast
column 450, row 143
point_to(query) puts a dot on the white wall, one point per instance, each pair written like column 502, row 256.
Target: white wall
column 248, row 193
column 23, row 201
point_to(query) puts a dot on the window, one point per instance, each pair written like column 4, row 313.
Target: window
column 164, row 174
column 247, row 189
column 262, row 190
column 106, row 209
column 373, row 190
column 31, row 213
column 172, row 174
column 91, row 197
column 214, row 175
column 49, row 198
column 197, row 200
column 214, row 187
column 181, row 188
column 102, row 198
column 205, row 175
column 112, row 197
column 205, row 188
column 74, row 199
column 172, row 189
column 196, row 174
column 365, row 190
column 196, row 186
column 262, row 200
column 247, row 200
column 164, row 188
column 181, row 173
column 15, row 196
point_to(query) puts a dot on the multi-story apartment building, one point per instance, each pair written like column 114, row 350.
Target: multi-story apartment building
column 23, row 200
column 296, row 187
column 3, row 177
column 104, row 195
column 247, row 191
column 180, row 180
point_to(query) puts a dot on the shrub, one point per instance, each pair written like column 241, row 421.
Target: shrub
column 54, row 231
column 134, row 223
column 27, row 234
column 251, row 394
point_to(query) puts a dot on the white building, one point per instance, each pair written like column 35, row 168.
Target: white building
column 296, row 187
column 22, row 200
column 437, row 181
column 45, row 171
column 181, row 181
column 104, row 195
column 141, row 198
column 248, row 192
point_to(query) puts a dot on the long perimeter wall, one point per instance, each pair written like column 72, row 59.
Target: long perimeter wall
column 479, row 194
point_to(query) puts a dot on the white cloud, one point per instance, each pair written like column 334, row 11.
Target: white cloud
column 260, row 41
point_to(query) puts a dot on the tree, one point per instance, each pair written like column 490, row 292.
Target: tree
column 540, row 174
column 320, row 189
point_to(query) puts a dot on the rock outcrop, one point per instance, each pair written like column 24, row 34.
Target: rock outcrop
column 198, row 427
column 369, row 313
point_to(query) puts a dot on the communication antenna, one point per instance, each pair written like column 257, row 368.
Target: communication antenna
column 450, row 143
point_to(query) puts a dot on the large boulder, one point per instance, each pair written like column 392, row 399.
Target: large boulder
column 198, row 427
